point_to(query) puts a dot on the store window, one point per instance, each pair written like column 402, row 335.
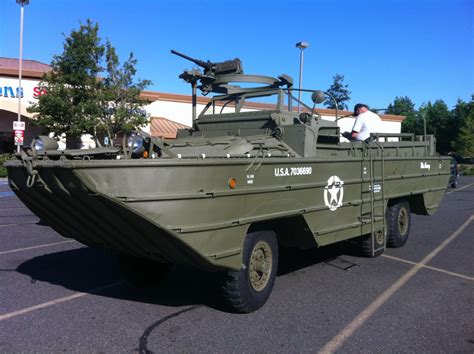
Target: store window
column 6, row 142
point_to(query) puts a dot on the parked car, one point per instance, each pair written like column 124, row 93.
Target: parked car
column 453, row 179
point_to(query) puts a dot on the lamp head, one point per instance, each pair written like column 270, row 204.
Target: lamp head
column 302, row 45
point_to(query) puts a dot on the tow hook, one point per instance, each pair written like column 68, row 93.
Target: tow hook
column 30, row 164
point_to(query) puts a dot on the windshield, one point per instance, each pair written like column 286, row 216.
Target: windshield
column 269, row 100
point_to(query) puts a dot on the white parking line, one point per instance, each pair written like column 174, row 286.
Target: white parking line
column 35, row 247
column 6, row 316
column 357, row 322
column 428, row 267
column 7, row 194
column 460, row 189
column 18, row 208
column 23, row 223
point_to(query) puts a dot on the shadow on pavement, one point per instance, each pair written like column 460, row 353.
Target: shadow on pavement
column 292, row 260
column 85, row 269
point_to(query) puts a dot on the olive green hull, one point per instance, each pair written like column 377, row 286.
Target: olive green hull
column 184, row 211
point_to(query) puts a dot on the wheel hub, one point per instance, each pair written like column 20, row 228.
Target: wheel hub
column 260, row 266
column 402, row 221
column 379, row 237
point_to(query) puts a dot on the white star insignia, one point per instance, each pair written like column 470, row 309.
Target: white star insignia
column 333, row 191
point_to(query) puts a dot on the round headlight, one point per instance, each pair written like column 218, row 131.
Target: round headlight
column 38, row 144
column 43, row 142
column 136, row 144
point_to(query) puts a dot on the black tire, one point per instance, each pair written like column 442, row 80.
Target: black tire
column 142, row 272
column 398, row 224
column 248, row 289
column 454, row 184
column 366, row 245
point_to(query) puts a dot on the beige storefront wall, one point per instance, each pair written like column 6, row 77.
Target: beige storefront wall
column 9, row 110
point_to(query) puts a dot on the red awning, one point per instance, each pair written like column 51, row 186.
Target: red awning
column 165, row 128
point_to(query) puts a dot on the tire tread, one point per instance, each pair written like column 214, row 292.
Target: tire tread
column 236, row 289
column 394, row 239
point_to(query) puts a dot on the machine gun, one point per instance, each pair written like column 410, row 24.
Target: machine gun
column 221, row 78
column 215, row 69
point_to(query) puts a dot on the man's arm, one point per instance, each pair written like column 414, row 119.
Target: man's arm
column 350, row 135
column 357, row 127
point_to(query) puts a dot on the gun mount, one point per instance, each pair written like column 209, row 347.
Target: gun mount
column 216, row 77
column 221, row 77
column 215, row 69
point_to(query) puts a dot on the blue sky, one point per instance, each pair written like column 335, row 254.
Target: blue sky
column 422, row 49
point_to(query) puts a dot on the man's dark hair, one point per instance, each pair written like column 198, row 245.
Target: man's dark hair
column 358, row 106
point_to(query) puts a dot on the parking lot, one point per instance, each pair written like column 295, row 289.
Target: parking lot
column 58, row 295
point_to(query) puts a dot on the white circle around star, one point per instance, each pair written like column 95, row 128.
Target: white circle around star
column 333, row 193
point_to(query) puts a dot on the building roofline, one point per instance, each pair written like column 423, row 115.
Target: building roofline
column 26, row 60
column 32, row 74
column 31, row 68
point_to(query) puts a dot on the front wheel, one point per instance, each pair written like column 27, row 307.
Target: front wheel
column 398, row 224
column 247, row 289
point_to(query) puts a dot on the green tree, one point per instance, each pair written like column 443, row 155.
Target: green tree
column 122, row 106
column 438, row 122
column 461, row 112
column 81, row 97
column 70, row 105
column 404, row 106
column 452, row 129
column 339, row 91
column 464, row 119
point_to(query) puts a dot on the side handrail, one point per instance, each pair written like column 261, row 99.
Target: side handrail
column 393, row 135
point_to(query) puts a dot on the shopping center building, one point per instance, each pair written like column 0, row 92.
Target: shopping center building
column 167, row 112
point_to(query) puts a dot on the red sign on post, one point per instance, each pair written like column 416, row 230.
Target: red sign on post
column 19, row 137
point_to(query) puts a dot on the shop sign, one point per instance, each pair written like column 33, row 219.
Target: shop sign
column 11, row 92
column 7, row 91
column 38, row 91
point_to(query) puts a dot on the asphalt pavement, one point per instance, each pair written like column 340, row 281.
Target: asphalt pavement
column 58, row 295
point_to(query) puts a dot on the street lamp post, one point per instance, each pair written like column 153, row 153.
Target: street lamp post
column 302, row 46
column 22, row 3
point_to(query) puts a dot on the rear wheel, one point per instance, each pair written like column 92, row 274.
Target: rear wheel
column 367, row 246
column 398, row 224
column 142, row 272
column 248, row 289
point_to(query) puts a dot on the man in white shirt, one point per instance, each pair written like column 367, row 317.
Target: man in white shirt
column 366, row 122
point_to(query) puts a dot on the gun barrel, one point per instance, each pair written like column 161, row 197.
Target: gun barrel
column 205, row 65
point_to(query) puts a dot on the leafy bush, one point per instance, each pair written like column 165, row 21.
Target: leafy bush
column 3, row 170
column 466, row 170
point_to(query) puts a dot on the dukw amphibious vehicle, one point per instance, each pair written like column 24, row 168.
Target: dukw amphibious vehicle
column 236, row 186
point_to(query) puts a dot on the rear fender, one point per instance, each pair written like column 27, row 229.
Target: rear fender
column 291, row 231
column 423, row 204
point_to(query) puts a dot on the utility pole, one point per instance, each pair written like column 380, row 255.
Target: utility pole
column 20, row 133
column 302, row 46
